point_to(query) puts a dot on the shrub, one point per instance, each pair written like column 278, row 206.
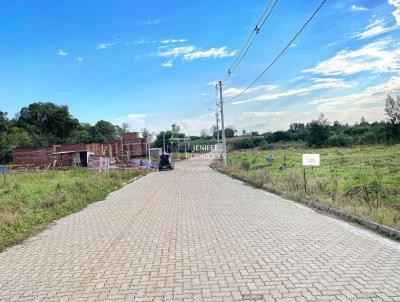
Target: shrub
column 247, row 143
column 340, row 140
column 245, row 164
column 265, row 146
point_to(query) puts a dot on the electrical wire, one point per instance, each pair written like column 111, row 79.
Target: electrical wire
column 250, row 40
column 280, row 54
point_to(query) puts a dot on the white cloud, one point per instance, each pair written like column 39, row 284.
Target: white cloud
column 210, row 53
column 62, row 53
column 347, row 109
column 136, row 121
column 193, row 126
column 232, row 91
column 378, row 56
column 353, row 114
column 274, row 96
column 168, row 41
column 173, row 53
column 192, row 53
column 358, row 8
column 371, row 95
column 213, row 83
column 325, row 83
column 396, row 13
column 189, row 53
column 105, row 45
column 252, row 114
column 80, row 59
column 142, row 41
column 150, row 22
column 375, row 28
column 168, row 63
column 318, row 84
column 177, row 51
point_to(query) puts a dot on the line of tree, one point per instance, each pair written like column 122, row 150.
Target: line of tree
column 321, row 133
column 46, row 124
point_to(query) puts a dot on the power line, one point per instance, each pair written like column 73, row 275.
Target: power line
column 280, row 54
column 250, row 40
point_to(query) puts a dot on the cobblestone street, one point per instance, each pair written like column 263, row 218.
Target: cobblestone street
column 193, row 234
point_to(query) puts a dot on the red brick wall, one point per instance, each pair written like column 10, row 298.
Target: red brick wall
column 34, row 156
column 64, row 160
column 97, row 149
column 130, row 136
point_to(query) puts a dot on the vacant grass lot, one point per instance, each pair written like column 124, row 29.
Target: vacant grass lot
column 362, row 180
column 29, row 201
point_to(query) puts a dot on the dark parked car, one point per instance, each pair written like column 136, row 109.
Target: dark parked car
column 165, row 163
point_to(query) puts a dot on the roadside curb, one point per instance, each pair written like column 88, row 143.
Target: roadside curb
column 133, row 179
column 373, row 226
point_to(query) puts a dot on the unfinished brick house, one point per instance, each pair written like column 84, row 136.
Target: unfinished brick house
column 131, row 146
column 67, row 155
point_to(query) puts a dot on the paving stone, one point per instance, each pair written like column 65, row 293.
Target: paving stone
column 193, row 234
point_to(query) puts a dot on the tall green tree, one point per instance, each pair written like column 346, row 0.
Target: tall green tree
column 4, row 138
column 103, row 131
column 392, row 109
column 4, row 122
column 319, row 131
column 47, row 123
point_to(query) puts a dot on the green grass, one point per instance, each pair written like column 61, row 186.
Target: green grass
column 30, row 201
column 362, row 180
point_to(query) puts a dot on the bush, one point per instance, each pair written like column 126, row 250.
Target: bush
column 369, row 138
column 340, row 140
column 245, row 164
column 247, row 143
column 265, row 146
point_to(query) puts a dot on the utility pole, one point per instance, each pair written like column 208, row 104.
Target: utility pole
column 149, row 145
column 217, row 120
column 163, row 139
column 221, row 103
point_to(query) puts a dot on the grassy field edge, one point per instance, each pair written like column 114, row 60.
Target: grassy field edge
column 318, row 205
column 30, row 202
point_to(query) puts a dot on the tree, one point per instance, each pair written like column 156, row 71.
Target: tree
column 392, row 109
column 4, row 139
column 103, row 131
column 322, row 120
column 296, row 127
column 203, row 133
column 175, row 128
column 158, row 142
column 47, row 123
column 213, row 131
column 4, row 122
column 145, row 132
column 124, row 127
column 80, row 135
column 229, row 132
column 319, row 131
column 363, row 121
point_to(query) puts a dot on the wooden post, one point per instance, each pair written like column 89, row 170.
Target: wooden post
column 305, row 180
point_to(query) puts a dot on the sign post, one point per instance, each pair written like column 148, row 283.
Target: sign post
column 312, row 160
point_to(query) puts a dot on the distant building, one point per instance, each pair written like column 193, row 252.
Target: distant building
column 155, row 152
column 130, row 146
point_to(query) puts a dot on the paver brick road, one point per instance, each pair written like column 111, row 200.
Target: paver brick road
column 195, row 235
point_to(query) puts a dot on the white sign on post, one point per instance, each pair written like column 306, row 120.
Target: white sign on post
column 310, row 159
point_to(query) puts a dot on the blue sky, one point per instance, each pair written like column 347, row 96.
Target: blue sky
column 153, row 63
